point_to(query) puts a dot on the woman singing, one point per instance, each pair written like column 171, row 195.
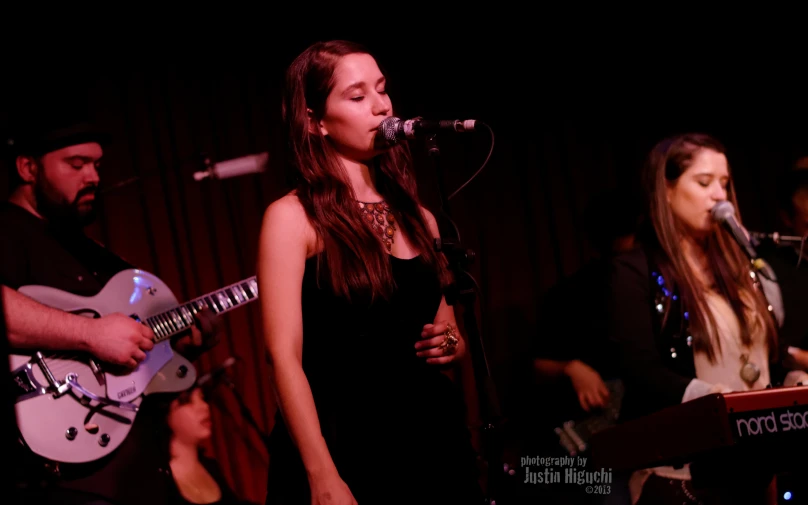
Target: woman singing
column 354, row 318
column 688, row 315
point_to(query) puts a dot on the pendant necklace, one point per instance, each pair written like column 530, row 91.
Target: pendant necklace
column 750, row 372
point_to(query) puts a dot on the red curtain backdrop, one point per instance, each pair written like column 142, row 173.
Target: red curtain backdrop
column 565, row 130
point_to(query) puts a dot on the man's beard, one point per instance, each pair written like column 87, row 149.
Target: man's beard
column 64, row 214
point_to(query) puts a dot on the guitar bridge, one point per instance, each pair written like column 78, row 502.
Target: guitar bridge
column 98, row 372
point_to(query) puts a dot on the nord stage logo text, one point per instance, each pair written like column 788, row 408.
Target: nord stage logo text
column 774, row 421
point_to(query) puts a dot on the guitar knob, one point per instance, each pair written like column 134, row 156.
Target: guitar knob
column 182, row 371
column 71, row 433
column 104, row 440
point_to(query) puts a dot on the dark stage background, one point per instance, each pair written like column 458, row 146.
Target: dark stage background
column 568, row 124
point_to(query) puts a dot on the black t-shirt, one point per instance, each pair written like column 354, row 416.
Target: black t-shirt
column 228, row 496
column 34, row 253
column 574, row 319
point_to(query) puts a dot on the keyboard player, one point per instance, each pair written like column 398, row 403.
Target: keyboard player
column 687, row 316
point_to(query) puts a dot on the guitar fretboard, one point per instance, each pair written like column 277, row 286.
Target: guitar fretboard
column 181, row 318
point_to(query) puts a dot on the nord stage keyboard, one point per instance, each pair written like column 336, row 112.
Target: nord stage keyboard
column 740, row 433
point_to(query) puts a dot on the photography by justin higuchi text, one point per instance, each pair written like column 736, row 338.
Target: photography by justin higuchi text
column 569, row 470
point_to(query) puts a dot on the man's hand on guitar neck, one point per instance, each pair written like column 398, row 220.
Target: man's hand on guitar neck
column 203, row 335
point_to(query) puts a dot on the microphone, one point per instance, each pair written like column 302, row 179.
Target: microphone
column 394, row 129
column 251, row 164
column 216, row 372
column 724, row 212
column 776, row 238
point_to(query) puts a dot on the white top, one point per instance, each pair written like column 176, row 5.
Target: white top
column 726, row 370
column 723, row 375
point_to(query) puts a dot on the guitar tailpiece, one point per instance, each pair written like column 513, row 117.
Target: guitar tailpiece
column 72, row 382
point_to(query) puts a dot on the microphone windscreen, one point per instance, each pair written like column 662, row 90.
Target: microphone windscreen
column 722, row 211
column 388, row 128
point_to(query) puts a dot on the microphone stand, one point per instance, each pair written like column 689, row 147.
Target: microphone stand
column 462, row 291
column 245, row 412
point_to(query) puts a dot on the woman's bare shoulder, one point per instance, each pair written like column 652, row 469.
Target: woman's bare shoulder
column 287, row 216
column 431, row 222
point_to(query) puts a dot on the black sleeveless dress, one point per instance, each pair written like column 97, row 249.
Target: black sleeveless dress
column 394, row 425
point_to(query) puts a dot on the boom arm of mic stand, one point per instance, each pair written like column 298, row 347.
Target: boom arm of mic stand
column 245, row 412
column 463, row 291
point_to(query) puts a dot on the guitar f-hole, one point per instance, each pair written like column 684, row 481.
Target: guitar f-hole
column 82, row 312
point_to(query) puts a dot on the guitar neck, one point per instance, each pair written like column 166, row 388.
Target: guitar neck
column 181, row 318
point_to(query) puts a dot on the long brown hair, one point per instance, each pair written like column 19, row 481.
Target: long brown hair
column 667, row 161
column 354, row 256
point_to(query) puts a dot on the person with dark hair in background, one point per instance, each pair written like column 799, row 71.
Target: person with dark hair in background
column 572, row 358
column 357, row 328
column 789, row 260
column 197, row 478
column 55, row 162
column 688, row 317
column 576, row 347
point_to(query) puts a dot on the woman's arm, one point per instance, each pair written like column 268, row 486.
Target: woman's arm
column 433, row 334
column 461, row 357
column 285, row 242
column 549, row 370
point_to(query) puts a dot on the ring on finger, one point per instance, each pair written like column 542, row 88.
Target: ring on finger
column 450, row 341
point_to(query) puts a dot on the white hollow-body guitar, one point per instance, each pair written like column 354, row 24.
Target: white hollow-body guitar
column 72, row 408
